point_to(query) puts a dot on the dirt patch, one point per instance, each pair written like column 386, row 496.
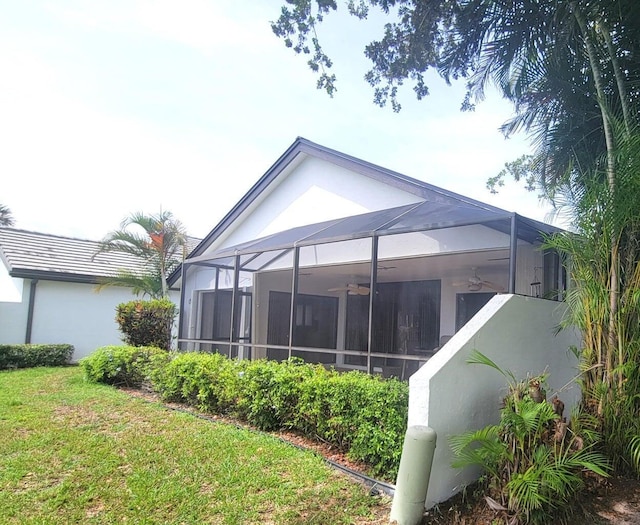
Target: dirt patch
column 605, row 502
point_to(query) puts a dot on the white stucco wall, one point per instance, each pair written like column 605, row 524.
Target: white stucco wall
column 72, row 313
column 315, row 191
column 451, row 396
column 10, row 287
column 13, row 314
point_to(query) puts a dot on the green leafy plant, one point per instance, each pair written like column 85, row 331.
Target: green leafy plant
column 123, row 365
column 30, row 355
column 206, row 381
column 147, row 323
column 533, row 460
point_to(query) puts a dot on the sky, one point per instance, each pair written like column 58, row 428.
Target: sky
column 110, row 108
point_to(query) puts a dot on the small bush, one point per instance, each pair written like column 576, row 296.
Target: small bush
column 147, row 323
column 31, row 355
column 123, row 365
column 269, row 392
column 206, row 381
column 363, row 415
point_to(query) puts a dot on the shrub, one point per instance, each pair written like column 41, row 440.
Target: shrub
column 147, row 323
column 361, row 414
column 30, row 355
column 269, row 392
column 205, row 381
column 123, row 365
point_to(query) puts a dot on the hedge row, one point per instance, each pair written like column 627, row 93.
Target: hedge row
column 27, row 355
column 362, row 415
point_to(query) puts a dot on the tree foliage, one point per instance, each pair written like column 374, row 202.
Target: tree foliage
column 159, row 240
column 6, row 217
column 558, row 61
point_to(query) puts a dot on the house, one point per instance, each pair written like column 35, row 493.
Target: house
column 48, row 290
column 338, row 261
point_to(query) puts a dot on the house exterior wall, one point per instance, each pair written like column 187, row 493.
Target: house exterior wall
column 10, row 287
column 75, row 313
column 72, row 313
column 14, row 297
column 315, row 191
column 518, row 334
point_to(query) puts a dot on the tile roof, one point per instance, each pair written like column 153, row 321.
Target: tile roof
column 39, row 255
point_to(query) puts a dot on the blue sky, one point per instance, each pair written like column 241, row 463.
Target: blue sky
column 107, row 108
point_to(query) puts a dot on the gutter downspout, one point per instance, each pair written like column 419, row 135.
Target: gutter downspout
column 32, row 302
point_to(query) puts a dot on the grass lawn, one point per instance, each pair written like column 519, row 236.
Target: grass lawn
column 75, row 452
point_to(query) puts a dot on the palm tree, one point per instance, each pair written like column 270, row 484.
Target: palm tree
column 158, row 240
column 6, row 218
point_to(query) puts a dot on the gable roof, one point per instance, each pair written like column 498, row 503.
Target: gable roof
column 302, row 146
column 34, row 255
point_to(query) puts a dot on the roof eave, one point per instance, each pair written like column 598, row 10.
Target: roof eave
column 26, row 273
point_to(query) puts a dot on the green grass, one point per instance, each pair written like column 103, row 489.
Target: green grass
column 76, row 452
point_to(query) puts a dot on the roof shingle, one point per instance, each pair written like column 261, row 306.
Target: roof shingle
column 39, row 255
column 33, row 254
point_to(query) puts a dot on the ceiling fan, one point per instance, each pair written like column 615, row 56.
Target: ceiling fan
column 351, row 289
column 475, row 283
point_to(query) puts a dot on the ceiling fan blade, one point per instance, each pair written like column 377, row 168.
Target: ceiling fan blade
column 493, row 286
column 351, row 289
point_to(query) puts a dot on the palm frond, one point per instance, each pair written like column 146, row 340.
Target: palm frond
column 6, row 218
column 158, row 240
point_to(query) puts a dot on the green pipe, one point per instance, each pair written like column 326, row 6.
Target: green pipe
column 413, row 475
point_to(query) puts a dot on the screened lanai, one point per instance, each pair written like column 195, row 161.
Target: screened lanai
column 379, row 292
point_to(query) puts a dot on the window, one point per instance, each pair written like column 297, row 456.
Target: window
column 406, row 319
column 316, row 325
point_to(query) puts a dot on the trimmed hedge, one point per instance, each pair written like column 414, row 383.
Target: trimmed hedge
column 31, row 355
column 362, row 415
column 206, row 381
column 123, row 365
